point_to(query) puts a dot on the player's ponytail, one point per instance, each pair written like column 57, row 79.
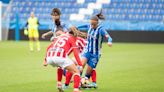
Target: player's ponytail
column 100, row 15
column 82, row 35
column 74, row 31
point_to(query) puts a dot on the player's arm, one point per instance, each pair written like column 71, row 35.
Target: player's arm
column 107, row 36
column 83, row 27
column 26, row 24
column 25, row 29
column 47, row 34
column 75, row 52
column 45, row 62
column 52, row 28
column 45, row 58
column 38, row 22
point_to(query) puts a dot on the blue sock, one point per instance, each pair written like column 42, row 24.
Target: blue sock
column 88, row 76
column 64, row 72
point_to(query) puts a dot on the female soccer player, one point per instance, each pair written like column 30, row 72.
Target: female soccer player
column 96, row 33
column 81, row 43
column 57, row 27
column 33, row 34
column 57, row 55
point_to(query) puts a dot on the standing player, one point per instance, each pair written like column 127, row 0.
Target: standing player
column 57, row 27
column 33, row 34
column 96, row 33
column 57, row 55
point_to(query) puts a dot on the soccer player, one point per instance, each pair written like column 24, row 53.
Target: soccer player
column 33, row 34
column 57, row 27
column 96, row 34
column 57, row 55
column 81, row 43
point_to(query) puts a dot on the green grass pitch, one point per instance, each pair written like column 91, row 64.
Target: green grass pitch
column 126, row 67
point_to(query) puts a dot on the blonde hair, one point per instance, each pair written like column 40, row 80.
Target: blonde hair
column 75, row 32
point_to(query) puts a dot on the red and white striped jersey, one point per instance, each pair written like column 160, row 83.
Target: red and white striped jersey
column 81, row 43
column 62, row 46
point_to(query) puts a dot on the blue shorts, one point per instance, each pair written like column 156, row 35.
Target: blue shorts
column 92, row 59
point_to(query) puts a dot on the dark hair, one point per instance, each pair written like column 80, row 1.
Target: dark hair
column 57, row 23
column 56, row 10
column 100, row 15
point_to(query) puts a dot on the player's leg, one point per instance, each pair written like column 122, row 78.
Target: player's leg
column 68, row 79
column 93, row 75
column 72, row 69
column 85, row 59
column 36, row 36
column 30, row 36
column 90, row 72
column 56, row 62
column 70, row 66
column 92, row 63
column 59, row 77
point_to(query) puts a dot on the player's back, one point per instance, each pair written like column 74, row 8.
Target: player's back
column 81, row 43
column 61, row 46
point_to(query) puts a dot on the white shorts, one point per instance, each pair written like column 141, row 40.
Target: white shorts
column 59, row 62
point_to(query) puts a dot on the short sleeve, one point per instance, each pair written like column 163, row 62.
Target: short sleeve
column 103, row 32
column 65, row 26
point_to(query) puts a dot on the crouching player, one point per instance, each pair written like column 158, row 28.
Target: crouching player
column 81, row 43
column 57, row 55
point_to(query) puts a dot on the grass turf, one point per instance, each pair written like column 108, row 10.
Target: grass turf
column 126, row 67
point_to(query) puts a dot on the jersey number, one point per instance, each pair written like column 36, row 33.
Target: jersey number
column 62, row 42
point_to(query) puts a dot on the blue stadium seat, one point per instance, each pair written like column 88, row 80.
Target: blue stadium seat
column 119, row 10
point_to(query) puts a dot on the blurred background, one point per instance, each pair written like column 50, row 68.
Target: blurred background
column 135, row 63
column 127, row 20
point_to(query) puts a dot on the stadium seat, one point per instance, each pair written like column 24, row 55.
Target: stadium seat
column 122, row 10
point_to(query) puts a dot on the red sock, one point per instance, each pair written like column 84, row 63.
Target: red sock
column 76, row 81
column 59, row 74
column 93, row 75
column 68, row 78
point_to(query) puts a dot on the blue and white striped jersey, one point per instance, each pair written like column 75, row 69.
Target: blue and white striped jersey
column 64, row 26
column 95, row 38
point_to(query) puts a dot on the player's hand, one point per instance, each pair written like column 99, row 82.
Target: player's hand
column 110, row 44
column 43, row 36
column 45, row 63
